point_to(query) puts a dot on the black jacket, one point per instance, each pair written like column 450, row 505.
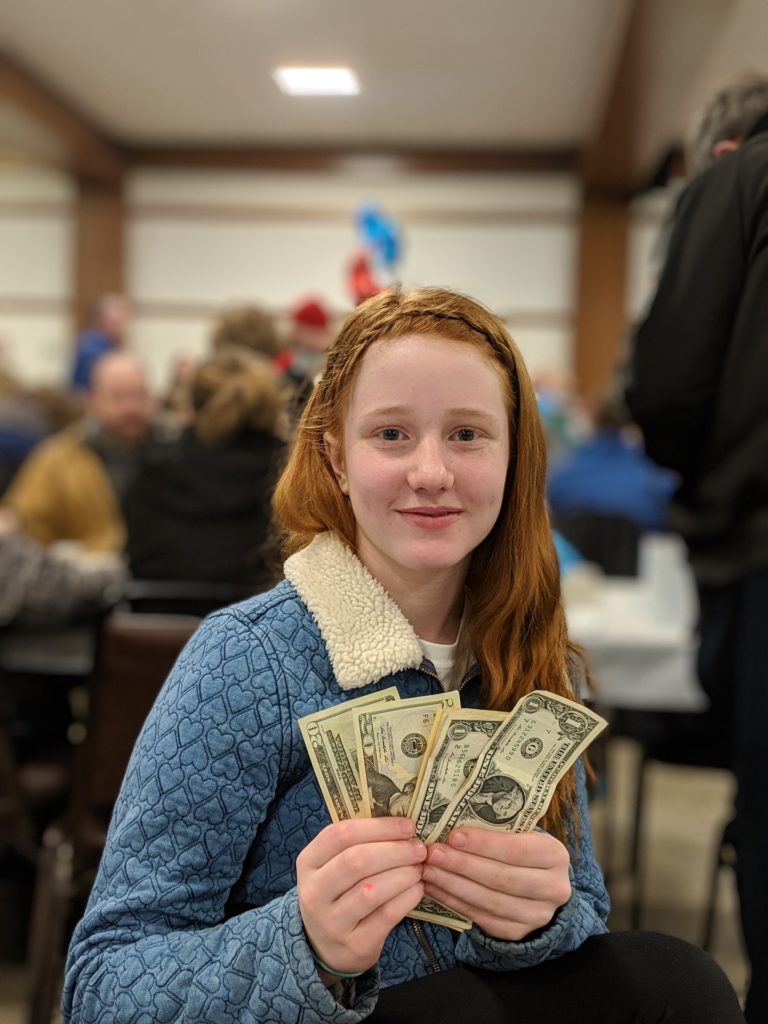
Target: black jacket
column 203, row 513
column 698, row 377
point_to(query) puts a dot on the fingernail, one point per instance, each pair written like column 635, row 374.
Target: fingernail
column 407, row 827
column 436, row 855
column 420, row 847
column 457, row 839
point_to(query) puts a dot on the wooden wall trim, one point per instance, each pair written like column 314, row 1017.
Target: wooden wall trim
column 600, row 319
column 331, row 159
column 34, row 305
column 99, row 245
column 275, row 214
column 170, row 310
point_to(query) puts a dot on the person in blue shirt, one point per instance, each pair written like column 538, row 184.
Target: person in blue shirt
column 608, row 473
column 105, row 334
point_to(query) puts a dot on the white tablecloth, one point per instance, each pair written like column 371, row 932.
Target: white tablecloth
column 638, row 656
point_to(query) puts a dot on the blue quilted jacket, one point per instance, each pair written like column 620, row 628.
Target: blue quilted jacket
column 194, row 914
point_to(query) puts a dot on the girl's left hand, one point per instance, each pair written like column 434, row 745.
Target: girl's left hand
column 509, row 884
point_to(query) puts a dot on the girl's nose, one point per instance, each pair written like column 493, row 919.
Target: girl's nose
column 430, row 469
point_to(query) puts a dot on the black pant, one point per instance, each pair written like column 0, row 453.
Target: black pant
column 733, row 667
column 619, row 978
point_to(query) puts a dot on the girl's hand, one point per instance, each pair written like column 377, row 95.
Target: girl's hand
column 508, row 884
column 356, row 880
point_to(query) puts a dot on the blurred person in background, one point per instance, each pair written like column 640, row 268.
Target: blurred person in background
column 562, row 412
column 697, row 389
column 27, row 417
column 37, row 587
column 175, row 403
column 72, row 485
column 608, row 473
column 200, row 507
column 105, row 334
column 248, row 327
column 302, row 363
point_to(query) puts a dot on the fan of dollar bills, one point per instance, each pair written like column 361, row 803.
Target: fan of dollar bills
column 442, row 765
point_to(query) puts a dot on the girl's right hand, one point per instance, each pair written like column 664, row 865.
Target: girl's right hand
column 356, row 880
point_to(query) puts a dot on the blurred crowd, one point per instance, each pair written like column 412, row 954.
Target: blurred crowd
column 104, row 482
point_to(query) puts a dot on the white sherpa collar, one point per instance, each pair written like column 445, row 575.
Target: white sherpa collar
column 366, row 634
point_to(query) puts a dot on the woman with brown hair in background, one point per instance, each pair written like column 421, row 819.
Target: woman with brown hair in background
column 200, row 508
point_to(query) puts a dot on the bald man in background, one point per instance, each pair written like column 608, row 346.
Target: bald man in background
column 72, row 485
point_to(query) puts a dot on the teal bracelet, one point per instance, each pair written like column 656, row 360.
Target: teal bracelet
column 330, row 970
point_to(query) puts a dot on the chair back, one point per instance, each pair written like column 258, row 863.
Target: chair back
column 134, row 656
column 612, row 542
column 185, row 597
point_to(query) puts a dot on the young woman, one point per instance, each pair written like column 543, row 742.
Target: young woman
column 421, row 557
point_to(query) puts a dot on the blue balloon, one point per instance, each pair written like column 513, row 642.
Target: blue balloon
column 380, row 233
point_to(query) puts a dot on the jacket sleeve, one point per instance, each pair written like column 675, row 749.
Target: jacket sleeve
column 155, row 944
column 583, row 915
column 678, row 351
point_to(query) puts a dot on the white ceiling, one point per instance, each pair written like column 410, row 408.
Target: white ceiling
column 466, row 74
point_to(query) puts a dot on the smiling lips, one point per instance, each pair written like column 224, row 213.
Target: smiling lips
column 430, row 518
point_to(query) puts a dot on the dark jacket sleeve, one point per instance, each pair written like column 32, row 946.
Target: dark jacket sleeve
column 679, row 350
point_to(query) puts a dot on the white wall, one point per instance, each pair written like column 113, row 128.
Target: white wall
column 197, row 241
column 36, row 240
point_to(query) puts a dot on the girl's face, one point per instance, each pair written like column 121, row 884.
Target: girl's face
column 424, row 456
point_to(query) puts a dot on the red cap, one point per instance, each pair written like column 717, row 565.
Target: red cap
column 311, row 313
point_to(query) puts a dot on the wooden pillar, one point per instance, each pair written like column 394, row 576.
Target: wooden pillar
column 601, row 294
column 99, row 243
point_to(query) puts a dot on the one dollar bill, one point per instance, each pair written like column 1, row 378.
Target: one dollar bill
column 331, row 741
column 391, row 743
column 514, row 778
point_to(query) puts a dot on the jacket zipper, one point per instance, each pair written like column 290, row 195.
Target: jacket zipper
column 468, row 676
column 425, row 946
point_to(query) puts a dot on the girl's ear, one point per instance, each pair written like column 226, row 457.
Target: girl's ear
column 333, row 448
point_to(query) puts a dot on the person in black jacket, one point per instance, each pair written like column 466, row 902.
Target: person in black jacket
column 200, row 509
column 697, row 389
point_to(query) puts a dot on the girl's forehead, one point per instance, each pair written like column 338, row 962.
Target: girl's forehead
column 427, row 362
column 424, row 349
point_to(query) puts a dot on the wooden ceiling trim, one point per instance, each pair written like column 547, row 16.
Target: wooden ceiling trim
column 608, row 166
column 89, row 152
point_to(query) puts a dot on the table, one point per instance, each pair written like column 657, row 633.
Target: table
column 639, row 657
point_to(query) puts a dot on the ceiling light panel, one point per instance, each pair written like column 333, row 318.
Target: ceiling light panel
column 317, row 81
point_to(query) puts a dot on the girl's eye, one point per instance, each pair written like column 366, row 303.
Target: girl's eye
column 466, row 434
column 390, row 434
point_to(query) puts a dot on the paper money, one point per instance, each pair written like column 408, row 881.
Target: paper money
column 515, row 776
column 391, row 743
column 331, row 741
column 458, row 740
column 444, row 765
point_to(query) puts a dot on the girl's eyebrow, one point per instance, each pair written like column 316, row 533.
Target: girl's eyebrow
column 464, row 412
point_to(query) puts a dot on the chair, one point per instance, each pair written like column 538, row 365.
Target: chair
column 40, row 669
column 725, row 857
column 134, row 655
column 612, row 542
column 184, row 597
column 673, row 738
